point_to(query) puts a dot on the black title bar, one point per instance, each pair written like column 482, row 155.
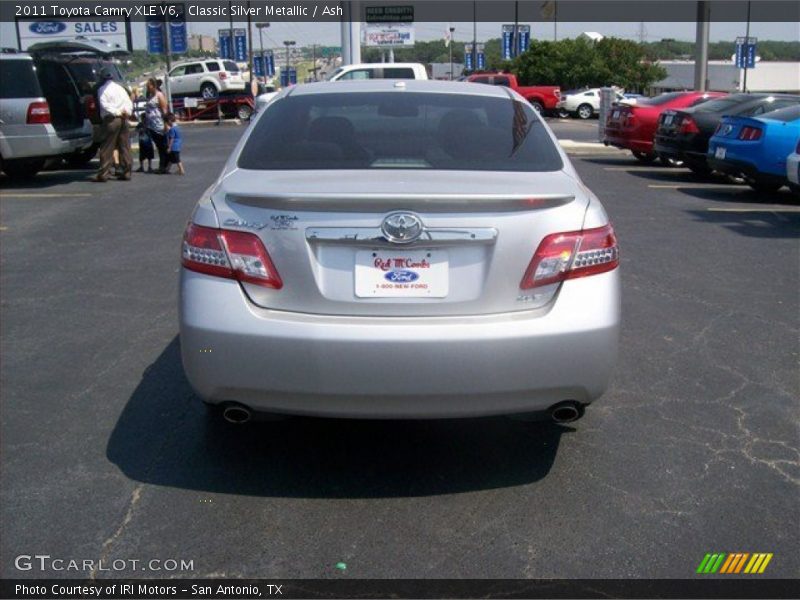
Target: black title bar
column 530, row 11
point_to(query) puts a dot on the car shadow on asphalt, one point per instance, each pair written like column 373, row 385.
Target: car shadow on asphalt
column 165, row 436
column 49, row 178
column 761, row 224
column 742, row 194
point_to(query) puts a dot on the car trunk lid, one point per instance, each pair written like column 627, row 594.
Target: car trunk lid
column 326, row 231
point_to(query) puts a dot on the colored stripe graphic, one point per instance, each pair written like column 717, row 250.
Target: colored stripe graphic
column 765, row 563
column 724, row 563
column 718, row 563
column 727, row 565
column 741, row 562
column 703, row 563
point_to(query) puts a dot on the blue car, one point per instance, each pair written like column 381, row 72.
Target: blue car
column 756, row 148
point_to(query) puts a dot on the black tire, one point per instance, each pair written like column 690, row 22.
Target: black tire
column 537, row 106
column 585, row 111
column 699, row 169
column 209, row 91
column 80, row 159
column 644, row 158
column 768, row 186
column 23, row 168
column 244, row 112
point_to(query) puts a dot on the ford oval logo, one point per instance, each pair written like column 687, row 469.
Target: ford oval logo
column 401, row 276
column 47, row 27
column 401, row 227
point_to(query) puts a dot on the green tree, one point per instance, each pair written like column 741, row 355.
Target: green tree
column 575, row 63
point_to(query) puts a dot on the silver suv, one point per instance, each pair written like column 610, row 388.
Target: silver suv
column 40, row 114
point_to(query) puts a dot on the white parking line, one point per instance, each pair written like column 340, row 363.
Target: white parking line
column 678, row 186
column 15, row 195
column 634, row 168
column 760, row 209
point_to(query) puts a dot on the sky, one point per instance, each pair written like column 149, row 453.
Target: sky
column 305, row 33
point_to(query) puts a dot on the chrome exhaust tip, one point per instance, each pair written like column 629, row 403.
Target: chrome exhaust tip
column 566, row 412
column 236, row 414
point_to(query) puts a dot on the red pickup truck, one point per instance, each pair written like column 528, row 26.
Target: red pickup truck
column 542, row 97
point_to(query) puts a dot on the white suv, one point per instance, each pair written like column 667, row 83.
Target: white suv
column 209, row 78
column 379, row 71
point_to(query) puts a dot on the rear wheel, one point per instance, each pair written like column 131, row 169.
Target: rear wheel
column 81, row 158
column 585, row 111
column 760, row 184
column 644, row 158
column 208, row 91
column 537, row 106
column 244, row 112
column 23, row 168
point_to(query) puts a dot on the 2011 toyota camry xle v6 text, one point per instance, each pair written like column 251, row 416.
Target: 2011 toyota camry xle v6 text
column 399, row 249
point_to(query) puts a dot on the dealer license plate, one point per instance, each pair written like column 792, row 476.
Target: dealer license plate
column 401, row 274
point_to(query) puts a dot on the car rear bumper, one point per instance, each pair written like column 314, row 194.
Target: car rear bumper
column 628, row 143
column 399, row 367
column 40, row 141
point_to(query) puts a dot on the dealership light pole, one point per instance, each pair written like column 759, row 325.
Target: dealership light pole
column 260, row 27
column 452, row 30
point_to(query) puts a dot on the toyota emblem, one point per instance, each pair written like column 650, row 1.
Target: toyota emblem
column 401, row 227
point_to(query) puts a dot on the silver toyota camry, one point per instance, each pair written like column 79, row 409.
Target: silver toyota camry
column 399, row 249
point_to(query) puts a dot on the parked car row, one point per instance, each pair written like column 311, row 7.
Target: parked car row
column 744, row 135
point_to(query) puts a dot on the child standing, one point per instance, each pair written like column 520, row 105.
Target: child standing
column 145, row 146
column 174, row 144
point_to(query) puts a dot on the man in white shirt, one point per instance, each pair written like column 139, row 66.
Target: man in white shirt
column 115, row 107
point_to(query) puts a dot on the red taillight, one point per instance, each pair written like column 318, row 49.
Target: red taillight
column 231, row 254
column 689, row 126
column 38, row 113
column 750, row 134
column 223, row 75
column 91, row 107
column 572, row 254
column 557, row 93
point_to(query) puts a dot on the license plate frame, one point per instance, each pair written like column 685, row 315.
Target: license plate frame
column 400, row 273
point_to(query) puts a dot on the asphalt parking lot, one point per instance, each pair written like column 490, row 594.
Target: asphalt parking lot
column 106, row 453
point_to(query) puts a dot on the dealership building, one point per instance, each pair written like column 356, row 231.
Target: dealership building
column 725, row 76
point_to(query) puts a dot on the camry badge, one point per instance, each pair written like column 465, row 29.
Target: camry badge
column 401, row 227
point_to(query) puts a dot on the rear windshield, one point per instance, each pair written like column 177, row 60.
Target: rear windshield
column 18, row 79
column 405, row 130
column 230, row 66
column 87, row 74
column 790, row 113
column 726, row 103
column 660, row 99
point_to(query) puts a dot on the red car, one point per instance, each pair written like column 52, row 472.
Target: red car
column 632, row 126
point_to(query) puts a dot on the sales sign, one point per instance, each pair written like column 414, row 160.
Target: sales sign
column 508, row 35
column 398, row 34
column 746, row 52
column 58, row 30
column 389, row 14
column 240, row 44
column 225, row 50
